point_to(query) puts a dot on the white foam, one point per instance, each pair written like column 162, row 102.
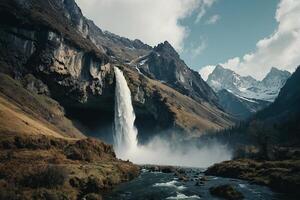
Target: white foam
column 170, row 184
column 183, row 196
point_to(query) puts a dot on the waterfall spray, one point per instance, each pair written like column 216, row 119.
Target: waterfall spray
column 125, row 134
column 158, row 150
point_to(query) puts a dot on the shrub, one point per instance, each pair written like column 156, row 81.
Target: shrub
column 50, row 177
column 9, row 194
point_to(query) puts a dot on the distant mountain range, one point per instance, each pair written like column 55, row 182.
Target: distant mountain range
column 242, row 96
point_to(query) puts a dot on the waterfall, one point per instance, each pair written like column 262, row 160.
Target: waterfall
column 158, row 150
column 125, row 133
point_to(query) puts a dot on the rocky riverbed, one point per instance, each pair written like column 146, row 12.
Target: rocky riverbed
column 169, row 182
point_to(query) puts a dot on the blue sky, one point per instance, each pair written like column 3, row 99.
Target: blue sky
column 241, row 24
column 247, row 36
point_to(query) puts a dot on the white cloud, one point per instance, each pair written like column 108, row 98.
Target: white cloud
column 281, row 49
column 213, row 19
column 206, row 71
column 196, row 50
column 205, row 4
column 152, row 21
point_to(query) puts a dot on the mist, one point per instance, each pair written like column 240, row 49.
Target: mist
column 161, row 151
column 158, row 151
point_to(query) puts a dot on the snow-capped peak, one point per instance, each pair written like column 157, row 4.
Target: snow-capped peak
column 247, row 86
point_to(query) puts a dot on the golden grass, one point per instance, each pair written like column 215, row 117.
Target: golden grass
column 24, row 112
column 14, row 119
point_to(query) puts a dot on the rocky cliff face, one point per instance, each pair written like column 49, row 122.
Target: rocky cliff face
column 72, row 61
column 165, row 65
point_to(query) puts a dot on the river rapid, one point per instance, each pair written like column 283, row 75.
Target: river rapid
column 158, row 185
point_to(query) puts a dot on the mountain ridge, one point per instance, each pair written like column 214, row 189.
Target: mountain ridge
column 163, row 63
column 245, row 95
column 246, row 86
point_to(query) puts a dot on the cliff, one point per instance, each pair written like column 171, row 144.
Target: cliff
column 52, row 42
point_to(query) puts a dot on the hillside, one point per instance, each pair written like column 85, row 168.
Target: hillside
column 267, row 145
column 55, row 44
column 284, row 113
column 274, row 126
column 43, row 154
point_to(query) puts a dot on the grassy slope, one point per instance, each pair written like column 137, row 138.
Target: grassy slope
column 35, row 135
column 88, row 166
column 28, row 113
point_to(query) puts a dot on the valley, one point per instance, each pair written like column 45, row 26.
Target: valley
column 87, row 114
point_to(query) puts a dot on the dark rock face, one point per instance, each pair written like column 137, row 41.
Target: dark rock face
column 165, row 65
column 72, row 70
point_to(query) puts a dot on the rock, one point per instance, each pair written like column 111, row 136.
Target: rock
column 92, row 196
column 199, row 183
column 157, row 168
column 183, row 178
column 203, row 178
column 35, row 85
column 226, row 192
column 167, row 169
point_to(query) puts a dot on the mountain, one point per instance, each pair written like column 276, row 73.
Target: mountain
column 284, row 113
column 245, row 95
column 164, row 64
column 271, row 136
column 248, row 87
column 275, row 125
column 73, row 60
column 239, row 107
column 286, row 108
